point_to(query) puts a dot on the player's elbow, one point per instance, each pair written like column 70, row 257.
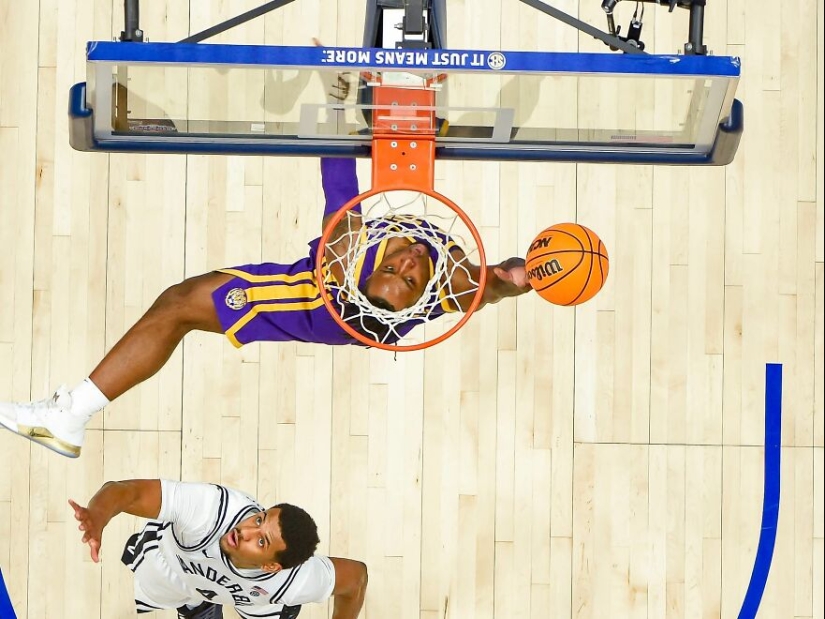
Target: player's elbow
column 350, row 579
column 361, row 576
column 358, row 581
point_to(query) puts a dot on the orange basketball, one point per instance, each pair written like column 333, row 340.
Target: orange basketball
column 567, row 264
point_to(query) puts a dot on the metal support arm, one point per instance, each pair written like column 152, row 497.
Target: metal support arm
column 695, row 32
column 694, row 44
column 131, row 16
column 612, row 41
column 630, row 44
column 235, row 21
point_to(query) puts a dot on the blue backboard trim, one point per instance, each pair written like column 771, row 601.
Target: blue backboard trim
column 410, row 60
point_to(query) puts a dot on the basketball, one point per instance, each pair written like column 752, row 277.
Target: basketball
column 567, row 264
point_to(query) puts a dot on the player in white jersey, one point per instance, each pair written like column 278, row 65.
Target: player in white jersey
column 208, row 546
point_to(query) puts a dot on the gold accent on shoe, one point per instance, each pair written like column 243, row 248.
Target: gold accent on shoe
column 50, row 441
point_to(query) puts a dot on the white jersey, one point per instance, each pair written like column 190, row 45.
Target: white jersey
column 177, row 559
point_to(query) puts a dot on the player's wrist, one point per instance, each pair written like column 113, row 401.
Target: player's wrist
column 101, row 515
column 519, row 264
column 510, row 263
column 504, row 281
column 110, row 500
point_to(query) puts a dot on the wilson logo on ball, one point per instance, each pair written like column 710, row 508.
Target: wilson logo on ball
column 548, row 269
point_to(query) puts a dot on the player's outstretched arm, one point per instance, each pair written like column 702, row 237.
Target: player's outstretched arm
column 340, row 185
column 350, row 588
column 139, row 497
column 506, row 279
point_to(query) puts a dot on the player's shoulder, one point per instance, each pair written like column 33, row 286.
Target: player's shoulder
column 318, row 570
column 205, row 511
column 202, row 494
column 237, row 495
column 320, row 562
column 216, row 491
column 311, row 581
column 315, row 564
column 235, row 505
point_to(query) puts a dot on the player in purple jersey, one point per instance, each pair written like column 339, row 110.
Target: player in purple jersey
column 262, row 302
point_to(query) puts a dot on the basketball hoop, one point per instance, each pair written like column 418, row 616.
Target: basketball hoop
column 387, row 216
column 403, row 153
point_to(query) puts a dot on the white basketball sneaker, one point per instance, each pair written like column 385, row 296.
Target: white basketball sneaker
column 48, row 422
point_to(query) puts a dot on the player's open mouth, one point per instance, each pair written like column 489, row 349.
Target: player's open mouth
column 232, row 539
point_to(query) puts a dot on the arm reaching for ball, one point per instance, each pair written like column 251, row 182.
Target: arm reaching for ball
column 506, row 279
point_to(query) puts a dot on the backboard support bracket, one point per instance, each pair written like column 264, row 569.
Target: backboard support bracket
column 131, row 16
column 403, row 141
column 614, row 42
column 420, row 16
column 414, row 26
column 631, row 43
column 694, row 45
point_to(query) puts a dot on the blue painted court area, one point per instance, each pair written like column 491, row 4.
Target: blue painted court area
column 770, row 501
column 6, row 610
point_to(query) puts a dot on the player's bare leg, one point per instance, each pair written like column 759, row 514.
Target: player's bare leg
column 147, row 346
column 59, row 422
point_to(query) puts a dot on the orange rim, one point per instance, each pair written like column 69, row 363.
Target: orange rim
column 320, row 260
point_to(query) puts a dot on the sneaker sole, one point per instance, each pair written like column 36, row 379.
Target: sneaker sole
column 42, row 436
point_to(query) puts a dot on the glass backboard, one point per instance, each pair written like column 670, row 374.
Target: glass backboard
column 242, row 99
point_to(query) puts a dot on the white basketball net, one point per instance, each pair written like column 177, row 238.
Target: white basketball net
column 416, row 216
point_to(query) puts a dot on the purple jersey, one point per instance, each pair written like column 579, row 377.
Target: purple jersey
column 282, row 303
column 276, row 303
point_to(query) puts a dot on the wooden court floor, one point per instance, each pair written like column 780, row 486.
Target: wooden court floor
column 603, row 462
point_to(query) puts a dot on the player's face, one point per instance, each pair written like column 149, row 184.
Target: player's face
column 256, row 541
column 401, row 277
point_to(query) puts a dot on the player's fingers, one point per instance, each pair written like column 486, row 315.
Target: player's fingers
column 81, row 515
column 94, row 547
column 519, row 276
column 342, row 88
column 77, row 509
column 316, row 42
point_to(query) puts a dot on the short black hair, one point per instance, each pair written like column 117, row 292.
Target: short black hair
column 300, row 534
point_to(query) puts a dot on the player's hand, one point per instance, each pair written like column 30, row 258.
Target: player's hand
column 92, row 526
column 512, row 271
column 340, row 89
